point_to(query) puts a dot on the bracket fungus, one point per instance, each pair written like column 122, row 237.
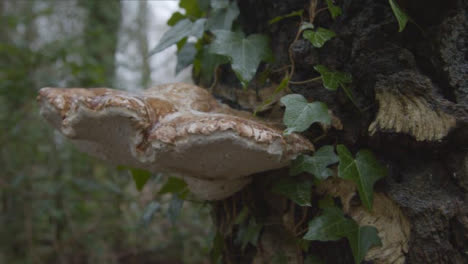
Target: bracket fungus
column 409, row 104
column 178, row 129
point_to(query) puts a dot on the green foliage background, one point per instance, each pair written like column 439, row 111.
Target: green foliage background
column 58, row 205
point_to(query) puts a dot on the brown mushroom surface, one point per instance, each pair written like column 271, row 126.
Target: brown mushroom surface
column 179, row 129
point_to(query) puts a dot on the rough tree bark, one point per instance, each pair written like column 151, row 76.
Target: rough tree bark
column 428, row 178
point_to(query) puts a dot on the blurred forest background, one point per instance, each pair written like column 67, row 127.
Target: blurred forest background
column 61, row 206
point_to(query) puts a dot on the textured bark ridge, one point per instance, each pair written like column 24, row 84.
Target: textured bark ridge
column 423, row 72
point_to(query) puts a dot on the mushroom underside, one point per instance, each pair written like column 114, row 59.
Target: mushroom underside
column 215, row 152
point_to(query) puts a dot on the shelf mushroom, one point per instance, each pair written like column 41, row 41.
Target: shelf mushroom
column 178, row 129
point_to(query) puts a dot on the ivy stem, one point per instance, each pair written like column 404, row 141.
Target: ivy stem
column 282, row 68
column 320, row 10
column 306, row 81
column 215, row 81
column 303, row 219
column 312, row 7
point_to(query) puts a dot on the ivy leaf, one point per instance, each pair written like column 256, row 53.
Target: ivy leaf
column 140, row 177
column 191, row 8
column 332, row 79
column 300, row 114
column 333, row 9
column 219, row 4
column 316, row 164
column 222, row 18
column 245, row 54
column 176, row 17
column 185, row 56
column 242, row 216
column 206, row 63
column 363, row 238
column 198, row 28
column 306, row 25
column 331, row 225
column 319, row 37
column 365, row 170
column 297, row 191
column 149, row 212
column 249, row 234
column 217, row 248
column 174, row 186
column 297, row 13
column 326, row 201
column 400, row 15
column 204, row 5
column 175, row 207
column 182, row 29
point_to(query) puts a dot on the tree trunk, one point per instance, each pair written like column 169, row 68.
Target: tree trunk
column 100, row 36
column 142, row 37
column 424, row 65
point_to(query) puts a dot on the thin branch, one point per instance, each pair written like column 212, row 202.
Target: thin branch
column 306, row 81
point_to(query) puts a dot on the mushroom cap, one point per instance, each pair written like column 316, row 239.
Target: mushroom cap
column 176, row 128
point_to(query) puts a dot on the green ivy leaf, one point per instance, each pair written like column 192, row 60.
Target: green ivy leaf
column 249, row 234
column 300, row 114
column 319, row 37
column 175, row 186
column 245, row 54
column 222, row 18
column 191, row 8
column 331, row 225
column 204, row 5
column 242, row 216
column 332, row 79
column 140, row 177
column 333, row 9
column 149, row 212
column 365, row 170
column 306, row 25
column 185, row 56
column 361, row 240
column 176, row 17
column 206, row 63
column 182, row 29
column 175, row 207
column 217, row 248
column 400, row 15
column 219, row 4
column 297, row 191
column 316, row 164
column 326, row 201
column 297, row 13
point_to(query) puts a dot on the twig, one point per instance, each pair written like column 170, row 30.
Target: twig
column 281, row 69
column 312, row 7
column 306, row 81
column 303, row 219
column 291, row 59
column 215, row 81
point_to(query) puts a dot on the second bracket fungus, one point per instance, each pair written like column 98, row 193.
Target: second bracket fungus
column 409, row 104
column 178, row 129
